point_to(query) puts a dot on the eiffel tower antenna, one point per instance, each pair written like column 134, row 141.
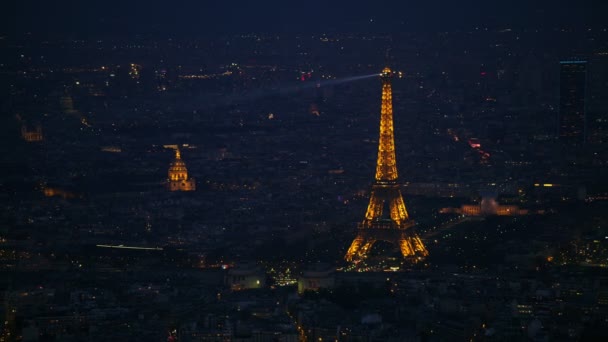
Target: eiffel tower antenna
column 386, row 218
column 389, row 58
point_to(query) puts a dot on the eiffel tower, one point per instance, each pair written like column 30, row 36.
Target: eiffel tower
column 386, row 218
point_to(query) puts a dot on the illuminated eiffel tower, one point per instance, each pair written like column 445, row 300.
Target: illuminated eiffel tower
column 386, row 218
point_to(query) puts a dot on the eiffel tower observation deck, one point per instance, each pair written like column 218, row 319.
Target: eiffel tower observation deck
column 386, row 218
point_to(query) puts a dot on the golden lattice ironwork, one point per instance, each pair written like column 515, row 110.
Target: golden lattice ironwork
column 386, row 166
column 386, row 217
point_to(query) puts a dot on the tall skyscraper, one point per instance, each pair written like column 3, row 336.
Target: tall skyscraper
column 597, row 99
column 386, row 218
column 572, row 118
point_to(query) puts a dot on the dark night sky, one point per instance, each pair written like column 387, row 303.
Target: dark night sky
column 81, row 18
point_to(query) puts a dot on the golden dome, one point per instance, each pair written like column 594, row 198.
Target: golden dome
column 177, row 169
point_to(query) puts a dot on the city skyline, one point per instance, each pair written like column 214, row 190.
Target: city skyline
column 252, row 171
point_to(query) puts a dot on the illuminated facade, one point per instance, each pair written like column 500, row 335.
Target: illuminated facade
column 178, row 175
column 319, row 277
column 31, row 136
column 487, row 207
column 52, row 192
column 386, row 218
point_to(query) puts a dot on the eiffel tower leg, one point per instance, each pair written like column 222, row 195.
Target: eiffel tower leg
column 354, row 248
column 366, row 247
column 406, row 246
column 419, row 246
column 360, row 247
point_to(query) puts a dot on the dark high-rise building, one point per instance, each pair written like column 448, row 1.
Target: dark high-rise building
column 572, row 118
column 597, row 99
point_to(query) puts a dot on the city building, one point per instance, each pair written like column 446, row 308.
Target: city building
column 67, row 104
column 246, row 276
column 572, row 117
column 488, row 206
column 320, row 276
column 178, row 175
column 597, row 99
column 32, row 136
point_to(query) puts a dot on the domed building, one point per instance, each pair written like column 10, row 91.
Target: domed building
column 178, row 175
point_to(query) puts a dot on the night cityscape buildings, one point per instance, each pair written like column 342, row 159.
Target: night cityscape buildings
column 263, row 117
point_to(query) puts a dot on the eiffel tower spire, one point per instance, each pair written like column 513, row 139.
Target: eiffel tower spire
column 386, row 217
column 386, row 166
